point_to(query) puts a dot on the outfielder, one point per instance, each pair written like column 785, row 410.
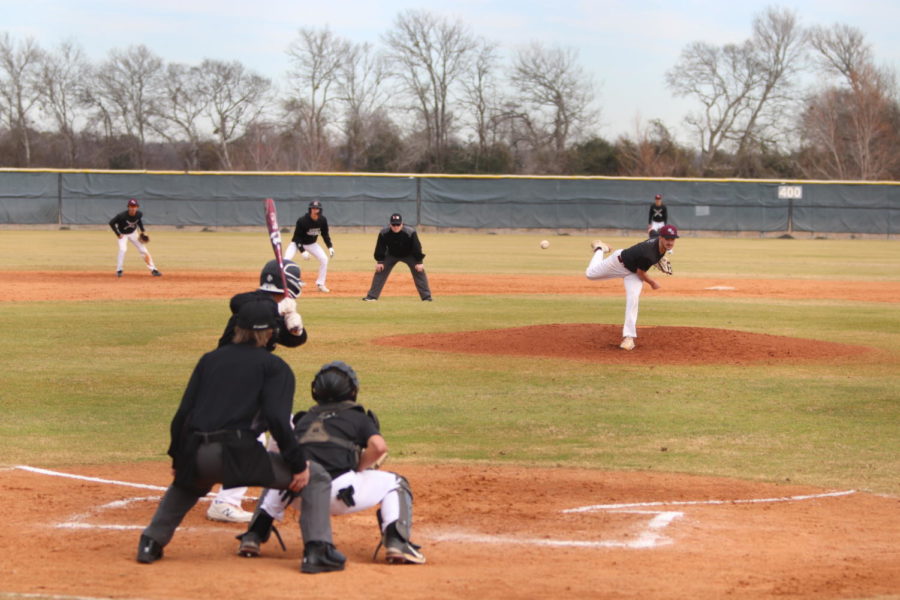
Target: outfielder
column 125, row 225
column 345, row 438
column 632, row 264
column 659, row 215
column 309, row 227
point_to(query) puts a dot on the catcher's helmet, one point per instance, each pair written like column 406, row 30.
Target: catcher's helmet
column 270, row 279
column 315, row 204
column 335, row 382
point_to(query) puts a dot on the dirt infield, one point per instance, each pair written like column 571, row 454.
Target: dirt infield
column 487, row 531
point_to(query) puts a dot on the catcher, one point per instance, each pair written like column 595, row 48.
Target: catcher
column 345, row 438
column 632, row 264
column 125, row 225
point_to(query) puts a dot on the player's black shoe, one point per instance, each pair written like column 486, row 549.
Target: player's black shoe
column 155, row 273
column 400, row 551
column 370, row 299
column 149, row 550
column 118, row 273
column 322, row 557
column 250, row 545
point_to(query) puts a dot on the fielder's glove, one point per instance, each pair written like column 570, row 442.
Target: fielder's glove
column 664, row 265
column 305, row 255
column 144, row 238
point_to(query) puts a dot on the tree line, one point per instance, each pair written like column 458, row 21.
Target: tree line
column 433, row 97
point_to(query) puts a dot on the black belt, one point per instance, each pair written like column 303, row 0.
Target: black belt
column 208, row 437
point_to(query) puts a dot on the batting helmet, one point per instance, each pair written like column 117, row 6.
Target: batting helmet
column 315, row 204
column 335, row 382
column 270, row 278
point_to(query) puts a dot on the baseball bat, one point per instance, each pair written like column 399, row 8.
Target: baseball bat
column 275, row 240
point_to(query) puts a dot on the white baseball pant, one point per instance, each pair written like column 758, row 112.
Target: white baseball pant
column 611, row 268
column 123, row 247
column 317, row 251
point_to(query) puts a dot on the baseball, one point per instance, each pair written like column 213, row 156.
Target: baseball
column 545, row 244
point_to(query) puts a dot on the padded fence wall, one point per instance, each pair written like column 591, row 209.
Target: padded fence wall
column 234, row 199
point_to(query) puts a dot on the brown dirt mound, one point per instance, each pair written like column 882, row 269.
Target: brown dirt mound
column 488, row 532
column 655, row 345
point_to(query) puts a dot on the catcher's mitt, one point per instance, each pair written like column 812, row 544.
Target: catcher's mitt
column 664, row 265
column 144, row 238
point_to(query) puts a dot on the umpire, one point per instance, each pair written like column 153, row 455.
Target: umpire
column 398, row 243
column 235, row 393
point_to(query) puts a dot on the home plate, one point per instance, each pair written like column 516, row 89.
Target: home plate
column 720, row 287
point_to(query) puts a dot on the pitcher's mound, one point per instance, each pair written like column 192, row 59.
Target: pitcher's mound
column 654, row 345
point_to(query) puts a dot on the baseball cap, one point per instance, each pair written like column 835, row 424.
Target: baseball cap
column 668, row 231
column 658, row 197
column 133, row 202
column 257, row 315
column 396, row 219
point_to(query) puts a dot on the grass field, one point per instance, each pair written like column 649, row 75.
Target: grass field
column 96, row 382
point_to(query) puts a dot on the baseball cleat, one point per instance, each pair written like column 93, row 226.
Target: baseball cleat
column 369, row 299
column 227, row 513
column 250, row 546
column 627, row 344
column 149, row 550
column 322, row 288
column 427, row 300
column 118, row 273
column 399, row 552
column 599, row 245
column 155, row 273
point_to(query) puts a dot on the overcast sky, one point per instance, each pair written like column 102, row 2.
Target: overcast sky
column 626, row 46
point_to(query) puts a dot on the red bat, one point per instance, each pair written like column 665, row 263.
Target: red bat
column 275, row 239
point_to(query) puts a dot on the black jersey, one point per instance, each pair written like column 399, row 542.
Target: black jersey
column 239, row 387
column 642, row 256
column 124, row 223
column 658, row 214
column 282, row 335
column 308, row 229
column 399, row 244
column 343, row 421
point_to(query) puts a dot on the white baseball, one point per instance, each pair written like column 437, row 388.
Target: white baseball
column 545, row 244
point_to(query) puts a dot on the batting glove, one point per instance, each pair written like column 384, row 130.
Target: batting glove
column 305, row 255
column 288, row 305
column 331, row 252
column 293, row 322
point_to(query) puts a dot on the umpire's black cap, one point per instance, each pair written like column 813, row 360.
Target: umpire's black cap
column 257, row 315
column 396, row 219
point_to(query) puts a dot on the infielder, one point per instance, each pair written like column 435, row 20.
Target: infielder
column 345, row 438
column 309, row 227
column 236, row 392
column 126, row 225
column 632, row 264
column 290, row 333
column 659, row 215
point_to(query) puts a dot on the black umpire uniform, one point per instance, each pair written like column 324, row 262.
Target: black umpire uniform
column 398, row 243
column 235, row 393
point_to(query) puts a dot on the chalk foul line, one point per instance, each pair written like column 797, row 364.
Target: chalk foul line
column 596, row 507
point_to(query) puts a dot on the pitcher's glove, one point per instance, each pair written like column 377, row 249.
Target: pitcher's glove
column 144, row 238
column 664, row 265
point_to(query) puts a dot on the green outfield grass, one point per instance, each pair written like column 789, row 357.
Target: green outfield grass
column 94, row 382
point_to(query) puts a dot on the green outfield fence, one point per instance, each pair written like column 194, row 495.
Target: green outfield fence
column 214, row 199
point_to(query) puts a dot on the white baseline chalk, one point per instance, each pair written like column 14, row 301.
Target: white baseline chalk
column 707, row 502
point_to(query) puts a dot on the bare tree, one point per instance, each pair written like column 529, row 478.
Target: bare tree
column 182, row 104
column 363, row 95
column 126, row 94
column 316, row 59
column 20, row 89
column 64, row 73
column 742, row 88
column 482, row 96
column 429, row 55
column 237, row 98
column 851, row 129
column 652, row 152
column 557, row 95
